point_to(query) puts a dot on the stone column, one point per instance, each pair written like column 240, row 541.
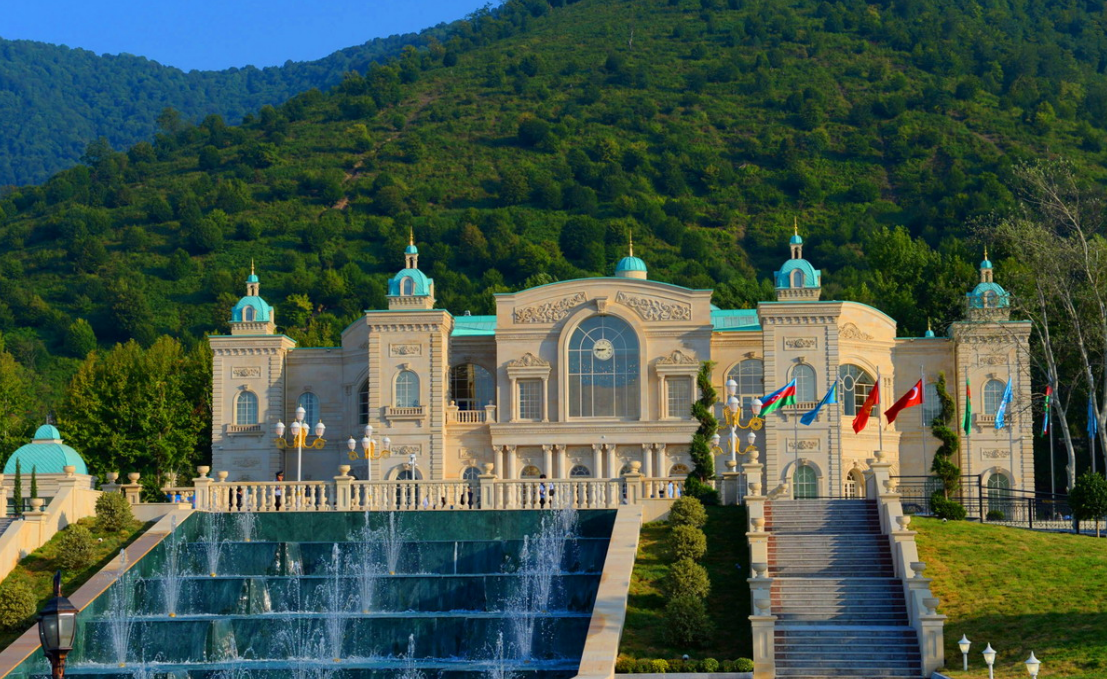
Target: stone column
column 562, row 461
column 647, row 460
column 514, row 405
column 111, row 485
column 133, row 490
column 662, row 460
column 597, row 461
column 488, row 487
column 546, row 398
column 202, row 484
column 512, row 461
column 547, row 461
column 342, row 486
column 612, row 471
column 634, row 483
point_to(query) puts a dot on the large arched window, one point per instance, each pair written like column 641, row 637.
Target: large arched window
column 804, row 375
column 999, row 496
column 248, row 314
column 856, row 387
column 310, row 404
column 993, row 396
column 363, row 403
column 750, row 376
column 603, row 369
column 932, row 407
column 797, row 279
column 471, row 386
column 407, row 389
column 407, row 286
column 805, row 483
column 246, row 408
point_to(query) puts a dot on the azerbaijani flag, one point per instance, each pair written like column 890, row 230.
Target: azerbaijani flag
column 1045, row 407
column 785, row 396
column 968, row 407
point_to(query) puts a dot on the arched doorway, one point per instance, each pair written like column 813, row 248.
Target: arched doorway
column 805, row 483
column 999, row 497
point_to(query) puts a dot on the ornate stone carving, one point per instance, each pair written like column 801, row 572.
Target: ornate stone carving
column 528, row 360
column 994, row 360
column 800, row 343
column 248, row 371
column 995, row 454
column 678, row 357
column 653, row 309
column 407, row 450
column 852, row 332
column 802, row 444
column 550, row 312
column 405, row 349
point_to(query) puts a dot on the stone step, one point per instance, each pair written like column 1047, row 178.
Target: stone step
column 794, row 605
column 849, row 663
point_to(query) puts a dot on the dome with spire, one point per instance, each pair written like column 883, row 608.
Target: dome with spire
column 988, row 294
column 45, row 454
column 630, row 266
column 797, row 279
column 252, row 308
column 410, row 286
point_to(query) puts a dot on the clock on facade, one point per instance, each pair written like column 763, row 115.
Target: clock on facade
column 603, row 350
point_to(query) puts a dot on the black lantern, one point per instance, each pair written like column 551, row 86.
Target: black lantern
column 57, row 625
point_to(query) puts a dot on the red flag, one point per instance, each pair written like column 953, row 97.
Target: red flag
column 862, row 418
column 911, row 398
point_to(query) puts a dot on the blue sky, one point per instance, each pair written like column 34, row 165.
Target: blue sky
column 217, row 34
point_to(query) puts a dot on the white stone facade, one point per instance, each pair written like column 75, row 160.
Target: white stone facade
column 584, row 377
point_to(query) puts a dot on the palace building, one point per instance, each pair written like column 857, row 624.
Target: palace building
column 580, row 378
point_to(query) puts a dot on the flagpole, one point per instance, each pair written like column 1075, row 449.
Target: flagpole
column 840, row 401
column 1007, row 420
column 879, row 414
column 922, row 411
column 1052, row 475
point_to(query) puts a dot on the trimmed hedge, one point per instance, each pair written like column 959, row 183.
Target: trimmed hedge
column 687, row 578
column 625, row 665
column 17, row 604
column 75, row 548
column 113, row 512
column 687, row 542
column 687, row 511
column 687, row 622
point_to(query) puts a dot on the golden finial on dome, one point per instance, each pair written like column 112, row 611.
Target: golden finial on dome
column 795, row 225
column 985, row 252
column 410, row 235
column 630, row 238
column 928, row 328
column 251, row 266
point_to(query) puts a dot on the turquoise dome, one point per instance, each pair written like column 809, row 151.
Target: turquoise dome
column 929, row 333
column 252, row 278
column 630, row 264
column 422, row 282
column 989, row 296
column 411, row 250
column 263, row 313
column 796, row 240
column 812, row 277
column 46, row 454
column 986, row 264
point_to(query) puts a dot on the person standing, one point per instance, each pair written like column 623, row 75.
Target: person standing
column 277, row 492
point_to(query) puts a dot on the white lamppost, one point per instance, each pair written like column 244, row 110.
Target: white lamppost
column 964, row 646
column 1032, row 665
column 299, row 430
column 990, row 659
column 369, row 450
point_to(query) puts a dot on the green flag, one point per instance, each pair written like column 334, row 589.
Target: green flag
column 968, row 406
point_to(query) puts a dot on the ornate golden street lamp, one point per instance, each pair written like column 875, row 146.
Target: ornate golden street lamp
column 299, row 430
column 369, row 450
column 732, row 416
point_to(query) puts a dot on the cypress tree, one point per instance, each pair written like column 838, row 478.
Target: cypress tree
column 700, row 451
column 34, row 482
column 17, row 492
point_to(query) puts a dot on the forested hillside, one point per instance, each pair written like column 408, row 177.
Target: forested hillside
column 517, row 146
column 55, row 100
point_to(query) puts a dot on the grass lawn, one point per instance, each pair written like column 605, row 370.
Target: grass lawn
column 37, row 569
column 728, row 605
column 1020, row 591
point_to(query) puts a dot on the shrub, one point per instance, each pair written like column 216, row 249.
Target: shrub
column 113, row 512
column 1089, row 498
column 17, row 604
column 75, row 547
column 676, row 665
column 686, row 622
column 642, row 666
column 709, row 665
column 687, row 542
column 624, row 665
column 743, row 665
column 687, row 511
column 691, row 666
column 946, row 509
column 996, row 515
column 726, row 666
column 688, row 578
column 659, row 666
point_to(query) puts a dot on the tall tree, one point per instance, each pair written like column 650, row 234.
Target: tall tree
column 700, row 451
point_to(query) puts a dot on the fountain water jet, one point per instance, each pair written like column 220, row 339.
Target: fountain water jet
column 120, row 614
column 173, row 574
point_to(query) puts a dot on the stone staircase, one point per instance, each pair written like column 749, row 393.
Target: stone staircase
column 840, row 609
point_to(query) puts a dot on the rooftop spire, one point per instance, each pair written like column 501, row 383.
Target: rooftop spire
column 630, row 237
column 796, row 225
column 411, row 235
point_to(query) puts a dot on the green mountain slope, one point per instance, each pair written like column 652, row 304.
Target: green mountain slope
column 530, row 144
column 55, row 100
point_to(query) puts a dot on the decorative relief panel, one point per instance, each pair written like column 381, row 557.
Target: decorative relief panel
column 801, row 343
column 528, row 360
column 995, row 454
column 405, row 349
column 653, row 309
column 994, row 360
column 248, row 371
column 407, row 450
column 851, row 331
column 245, row 462
column 550, row 312
column 802, row 444
column 678, row 357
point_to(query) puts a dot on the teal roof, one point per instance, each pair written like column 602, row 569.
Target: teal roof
column 630, row 264
column 474, row 326
column 812, row 277
column 986, row 264
column 46, row 454
column 796, row 240
column 252, row 278
column 411, row 250
column 929, row 333
column 978, row 298
column 733, row 320
column 263, row 313
column 422, row 282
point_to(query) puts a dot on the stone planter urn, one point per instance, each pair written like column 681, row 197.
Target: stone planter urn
column 36, row 504
column 758, row 524
column 635, row 467
column 344, row 470
column 731, row 464
column 203, row 471
column 904, row 521
column 112, row 477
column 134, row 477
column 488, row 467
column 69, row 470
column 223, row 476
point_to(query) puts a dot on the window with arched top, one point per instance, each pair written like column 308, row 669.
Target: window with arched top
column 407, row 389
column 363, row 403
column 989, row 299
column 932, row 407
column 797, row 279
column 999, row 495
column 246, row 408
column 750, row 376
column 805, row 483
column 679, row 470
column 580, row 471
column 854, row 485
column 248, row 314
column 993, row 396
column 310, row 404
column 407, row 285
column 471, row 387
column 603, row 373
column 471, row 474
column 804, row 375
column 857, row 384
column 530, row 472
